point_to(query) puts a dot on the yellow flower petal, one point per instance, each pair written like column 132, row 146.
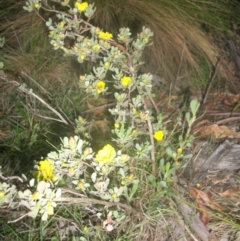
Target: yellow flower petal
column 125, row 81
column 80, row 185
column 105, row 36
column 81, row 6
column 50, row 208
column 96, row 47
column 106, row 65
column 106, row 155
column 2, row 194
column 35, row 195
column 100, row 86
column 116, row 125
column 46, row 169
column 158, row 135
column 179, row 151
column 37, row 5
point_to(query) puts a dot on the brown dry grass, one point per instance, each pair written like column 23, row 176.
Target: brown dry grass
column 178, row 41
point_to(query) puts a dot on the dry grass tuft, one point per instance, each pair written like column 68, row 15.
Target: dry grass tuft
column 178, row 41
column 178, row 44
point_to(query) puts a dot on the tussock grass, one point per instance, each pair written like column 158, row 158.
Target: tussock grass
column 178, row 44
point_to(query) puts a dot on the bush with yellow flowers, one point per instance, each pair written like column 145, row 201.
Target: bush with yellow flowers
column 146, row 147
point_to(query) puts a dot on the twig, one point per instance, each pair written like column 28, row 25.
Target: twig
column 11, row 178
column 95, row 201
column 154, row 104
column 230, row 119
column 40, row 87
column 150, row 130
column 16, row 220
column 23, row 89
column 98, row 107
column 46, row 104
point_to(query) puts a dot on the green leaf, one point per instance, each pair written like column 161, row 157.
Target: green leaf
column 163, row 183
column 169, row 151
column 151, row 178
column 134, row 189
column 138, row 147
column 168, row 166
column 194, row 105
column 187, row 116
column 115, row 214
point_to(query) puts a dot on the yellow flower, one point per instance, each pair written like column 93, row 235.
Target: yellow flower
column 35, row 195
column 125, row 81
column 2, row 194
column 124, row 158
column 100, row 86
column 136, row 112
column 81, row 6
column 96, row 47
column 104, row 36
column 62, row 36
column 198, row 185
column 80, row 185
column 106, row 65
column 114, row 195
column 179, row 151
column 36, row 5
column 116, row 125
column 61, row 24
column 158, row 135
column 104, row 170
column 130, row 177
column 52, row 33
column 85, row 229
column 50, row 208
column 46, row 170
column 106, row 155
column 71, row 171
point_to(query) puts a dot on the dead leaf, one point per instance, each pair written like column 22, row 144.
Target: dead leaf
column 96, row 110
column 202, row 208
column 203, row 201
column 205, row 198
column 233, row 193
column 203, row 213
column 231, row 100
column 102, row 126
column 217, row 131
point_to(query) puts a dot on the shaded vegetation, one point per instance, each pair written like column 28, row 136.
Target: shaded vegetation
column 185, row 49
